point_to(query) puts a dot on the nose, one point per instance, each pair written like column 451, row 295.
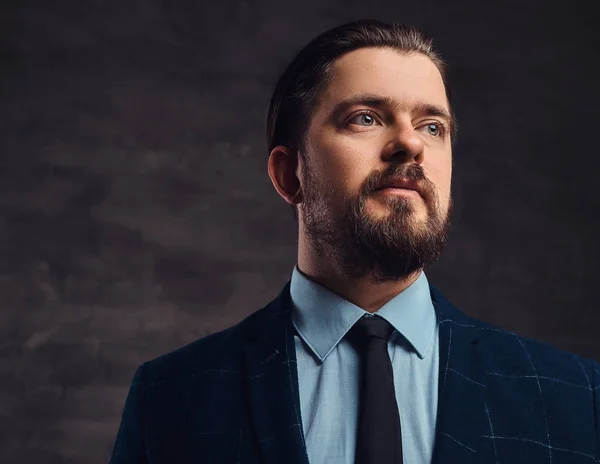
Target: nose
column 405, row 142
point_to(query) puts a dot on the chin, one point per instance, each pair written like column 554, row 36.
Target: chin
column 385, row 210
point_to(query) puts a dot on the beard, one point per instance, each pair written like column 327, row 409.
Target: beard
column 385, row 249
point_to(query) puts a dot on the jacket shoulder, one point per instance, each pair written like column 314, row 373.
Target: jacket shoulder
column 222, row 350
column 507, row 353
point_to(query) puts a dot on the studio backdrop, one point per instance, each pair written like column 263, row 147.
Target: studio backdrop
column 137, row 215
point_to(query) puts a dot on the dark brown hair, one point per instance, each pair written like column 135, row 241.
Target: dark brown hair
column 301, row 83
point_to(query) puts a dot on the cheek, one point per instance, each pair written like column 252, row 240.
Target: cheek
column 341, row 164
column 441, row 175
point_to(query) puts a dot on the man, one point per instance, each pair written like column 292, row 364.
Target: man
column 360, row 359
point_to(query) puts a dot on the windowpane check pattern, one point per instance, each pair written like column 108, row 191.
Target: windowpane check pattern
column 232, row 397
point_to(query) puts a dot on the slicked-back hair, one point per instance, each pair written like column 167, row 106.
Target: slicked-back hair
column 300, row 85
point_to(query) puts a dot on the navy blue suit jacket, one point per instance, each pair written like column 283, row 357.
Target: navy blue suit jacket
column 232, row 398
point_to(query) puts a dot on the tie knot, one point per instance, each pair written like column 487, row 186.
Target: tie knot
column 368, row 328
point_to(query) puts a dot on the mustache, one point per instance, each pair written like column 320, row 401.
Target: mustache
column 412, row 172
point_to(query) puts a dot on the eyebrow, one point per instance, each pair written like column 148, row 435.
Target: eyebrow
column 380, row 101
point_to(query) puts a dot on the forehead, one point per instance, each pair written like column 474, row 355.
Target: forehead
column 405, row 78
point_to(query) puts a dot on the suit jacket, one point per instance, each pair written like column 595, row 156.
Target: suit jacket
column 232, row 397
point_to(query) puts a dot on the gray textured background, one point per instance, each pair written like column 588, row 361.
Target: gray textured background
column 136, row 213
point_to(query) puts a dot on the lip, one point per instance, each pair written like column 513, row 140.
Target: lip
column 398, row 191
column 401, row 186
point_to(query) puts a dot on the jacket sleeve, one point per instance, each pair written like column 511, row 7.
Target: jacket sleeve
column 130, row 447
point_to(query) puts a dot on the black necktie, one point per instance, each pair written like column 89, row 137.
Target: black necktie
column 378, row 438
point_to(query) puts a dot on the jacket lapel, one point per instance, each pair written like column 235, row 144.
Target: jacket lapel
column 272, row 375
column 462, row 416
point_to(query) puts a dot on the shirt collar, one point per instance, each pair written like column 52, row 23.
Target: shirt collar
column 322, row 318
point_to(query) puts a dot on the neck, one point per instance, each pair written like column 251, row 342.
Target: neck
column 363, row 292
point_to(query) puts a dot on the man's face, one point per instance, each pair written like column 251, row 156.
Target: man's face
column 353, row 149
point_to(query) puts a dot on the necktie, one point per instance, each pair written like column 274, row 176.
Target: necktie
column 378, row 439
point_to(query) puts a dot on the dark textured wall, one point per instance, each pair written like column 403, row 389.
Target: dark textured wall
column 137, row 214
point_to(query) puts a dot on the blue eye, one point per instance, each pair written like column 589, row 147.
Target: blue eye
column 438, row 129
column 366, row 117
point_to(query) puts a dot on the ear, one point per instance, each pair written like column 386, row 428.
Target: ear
column 283, row 167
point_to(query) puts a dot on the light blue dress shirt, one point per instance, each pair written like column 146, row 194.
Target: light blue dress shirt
column 328, row 374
